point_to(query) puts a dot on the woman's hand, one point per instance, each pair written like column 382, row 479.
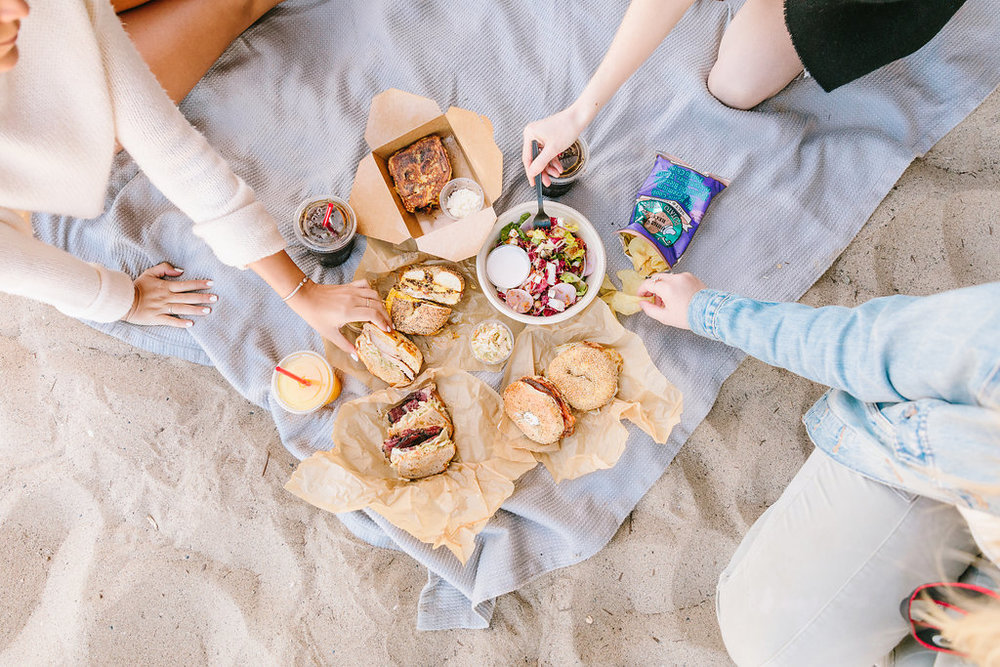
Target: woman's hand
column 555, row 134
column 329, row 307
column 672, row 293
column 11, row 13
column 158, row 300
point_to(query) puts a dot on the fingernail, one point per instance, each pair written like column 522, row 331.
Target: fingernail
column 188, row 324
column 354, row 356
column 213, row 299
column 178, row 269
column 206, row 310
column 209, row 283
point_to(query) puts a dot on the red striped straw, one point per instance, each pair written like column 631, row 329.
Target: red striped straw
column 304, row 382
column 326, row 218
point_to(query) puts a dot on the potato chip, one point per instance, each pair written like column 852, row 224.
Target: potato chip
column 646, row 259
column 626, row 304
column 669, row 208
column 607, row 286
column 624, row 301
column 630, row 281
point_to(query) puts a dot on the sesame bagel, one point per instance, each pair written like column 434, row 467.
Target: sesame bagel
column 586, row 374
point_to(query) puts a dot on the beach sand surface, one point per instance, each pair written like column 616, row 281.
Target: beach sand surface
column 143, row 519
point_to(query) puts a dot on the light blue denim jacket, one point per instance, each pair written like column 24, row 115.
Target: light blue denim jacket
column 915, row 398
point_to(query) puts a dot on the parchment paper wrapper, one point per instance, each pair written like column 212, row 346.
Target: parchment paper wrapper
column 379, row 266
column 644, row 397
column 448, row 509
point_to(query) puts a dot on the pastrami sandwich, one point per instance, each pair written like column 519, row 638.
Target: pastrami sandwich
column 419, row 452
column 411, row 315
column 586, row 374
column 432, row 282
column 420, row 430
column 419, row 409
column 536, row 407
column 391, row 357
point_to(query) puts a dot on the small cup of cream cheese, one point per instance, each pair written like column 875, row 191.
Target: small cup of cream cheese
column 461, row 197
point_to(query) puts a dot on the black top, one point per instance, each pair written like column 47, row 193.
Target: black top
column 841, row 40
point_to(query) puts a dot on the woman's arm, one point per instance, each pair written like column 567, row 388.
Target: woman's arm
column 325, row 307
column 645, row 25
column 44, row 273
column 890, row 349
column 41, row 272
column 179, row 161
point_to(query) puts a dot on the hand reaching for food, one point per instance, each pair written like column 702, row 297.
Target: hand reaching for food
column 168, row 302
column 329, row 307
column 672, row 293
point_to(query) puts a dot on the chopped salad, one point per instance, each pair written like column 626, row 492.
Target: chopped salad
column 558, row 266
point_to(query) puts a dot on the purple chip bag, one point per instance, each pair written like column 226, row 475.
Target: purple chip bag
column 670, row 205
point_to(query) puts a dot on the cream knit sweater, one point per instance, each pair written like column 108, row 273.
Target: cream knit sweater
column 78, row 85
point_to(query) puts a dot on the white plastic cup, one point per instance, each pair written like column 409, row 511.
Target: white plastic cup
column 508, row 266
column 302, row 400
column 459, row 184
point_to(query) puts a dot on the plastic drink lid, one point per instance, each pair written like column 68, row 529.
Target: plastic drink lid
column 301, row 399
column 508, row 266
column 341, row 225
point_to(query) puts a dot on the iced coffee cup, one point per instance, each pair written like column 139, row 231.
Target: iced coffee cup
column 574, row 162
column 326, row 227
column 303, row 382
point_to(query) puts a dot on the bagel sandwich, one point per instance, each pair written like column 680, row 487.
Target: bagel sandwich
column 432, row 282
column 391, row 357
column 422, row 408
column 411, row 315
column 536, row 407
column 420, row 430
column 415, row 453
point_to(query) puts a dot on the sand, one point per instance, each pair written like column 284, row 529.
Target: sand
column 143, row 519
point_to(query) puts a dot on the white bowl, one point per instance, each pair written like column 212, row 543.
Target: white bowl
column 457, row 184
column 595, row 257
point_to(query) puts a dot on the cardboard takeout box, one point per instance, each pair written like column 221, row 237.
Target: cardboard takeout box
column 396, row 119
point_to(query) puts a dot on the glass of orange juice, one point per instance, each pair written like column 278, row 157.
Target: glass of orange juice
column 298, row 398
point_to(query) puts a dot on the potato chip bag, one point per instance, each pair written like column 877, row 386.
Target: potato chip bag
column 668, row 209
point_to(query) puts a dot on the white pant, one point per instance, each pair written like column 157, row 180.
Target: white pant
column 819, row 577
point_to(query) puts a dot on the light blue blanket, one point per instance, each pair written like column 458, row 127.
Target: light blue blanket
column 287, row 105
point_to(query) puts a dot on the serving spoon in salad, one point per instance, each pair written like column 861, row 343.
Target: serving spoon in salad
column 541, row 219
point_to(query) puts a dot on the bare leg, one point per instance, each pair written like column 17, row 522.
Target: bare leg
column 756, row 57
column 181, row 39
column 123, row 5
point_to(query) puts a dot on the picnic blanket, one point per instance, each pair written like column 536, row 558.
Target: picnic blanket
column 286, row 105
